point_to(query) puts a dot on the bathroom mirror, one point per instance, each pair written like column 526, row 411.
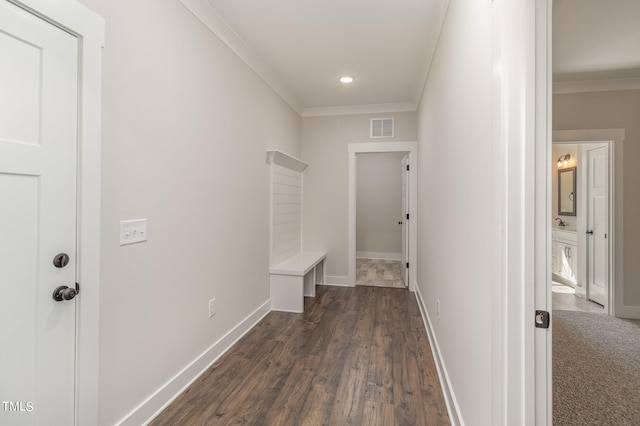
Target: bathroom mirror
column 567, row 191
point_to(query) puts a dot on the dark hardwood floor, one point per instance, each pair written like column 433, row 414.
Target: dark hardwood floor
column 356, row 356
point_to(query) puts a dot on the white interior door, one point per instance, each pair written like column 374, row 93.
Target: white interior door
column 405, row 220
column 38, row 140
column 597, row 224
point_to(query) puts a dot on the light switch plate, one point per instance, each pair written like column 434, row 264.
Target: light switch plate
column 133, row 231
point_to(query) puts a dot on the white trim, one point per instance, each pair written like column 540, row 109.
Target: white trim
column 285, row 160
column 560, row 87
column 521, row 111
column 355, row 148
column 359, row 109
column 615, row 139
column 144, row 413
column 538, row 241
column 90, row 29
column 202, row 10
column 453, row 409
column 378, row 255
column 338, row 281
column 628, row 311
column 438, row 15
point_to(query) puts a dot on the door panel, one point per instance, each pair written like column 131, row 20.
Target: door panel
column 20, row 93
column 38, row 143
column 405, row 221
column 598, row 222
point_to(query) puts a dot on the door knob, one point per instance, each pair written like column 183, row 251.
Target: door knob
column 590, row 232
column 64, row 293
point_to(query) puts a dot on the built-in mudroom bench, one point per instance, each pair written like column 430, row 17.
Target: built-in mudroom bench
column 294, row 279
column 293, row 273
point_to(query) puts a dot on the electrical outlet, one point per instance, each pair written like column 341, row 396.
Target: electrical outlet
column 438, row 308
column 133, row 231
column 212, row 307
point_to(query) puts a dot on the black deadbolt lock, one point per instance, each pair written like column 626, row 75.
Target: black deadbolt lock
column 542, row 319
column 61, row 260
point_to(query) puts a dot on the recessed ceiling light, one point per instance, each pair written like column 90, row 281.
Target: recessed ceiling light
column 346, row 79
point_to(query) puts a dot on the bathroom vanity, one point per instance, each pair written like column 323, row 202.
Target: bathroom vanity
column 564, row 255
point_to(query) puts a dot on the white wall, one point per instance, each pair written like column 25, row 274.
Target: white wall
column 325, row 142
column 379, row 203
column 185, row 129
column 613, row 110
column 456, row 221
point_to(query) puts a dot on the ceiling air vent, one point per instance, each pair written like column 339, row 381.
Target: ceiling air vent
column 382, row 127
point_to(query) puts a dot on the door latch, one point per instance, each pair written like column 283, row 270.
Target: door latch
column 542, row 319
column 65, row 293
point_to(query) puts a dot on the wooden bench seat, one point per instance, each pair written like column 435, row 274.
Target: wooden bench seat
column 294, row 279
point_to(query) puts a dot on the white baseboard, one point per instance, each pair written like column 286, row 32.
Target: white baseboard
column 378, row 255
column 159, row 400
column 449, row 397
column 628, row 312
column 337, row 280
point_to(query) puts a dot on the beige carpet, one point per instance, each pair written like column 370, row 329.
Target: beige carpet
column 596, row 370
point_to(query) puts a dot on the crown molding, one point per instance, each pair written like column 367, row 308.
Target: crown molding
column 359, row 109
column 438, row 15
column 562, row 87
column 202, row 10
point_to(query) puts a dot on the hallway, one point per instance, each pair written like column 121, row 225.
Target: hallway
column 355, row 356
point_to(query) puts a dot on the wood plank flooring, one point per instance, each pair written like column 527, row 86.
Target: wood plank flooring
column 356, row 356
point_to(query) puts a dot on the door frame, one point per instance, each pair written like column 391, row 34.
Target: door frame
column 521, row 364
column 406, row 228
column 614, row 138
column 410, row 148
column 89, row 28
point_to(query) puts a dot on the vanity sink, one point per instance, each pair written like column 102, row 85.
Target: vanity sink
column 564, row 228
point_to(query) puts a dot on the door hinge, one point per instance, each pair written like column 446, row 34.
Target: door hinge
column 407, row 265
column 407, row 167
column 407, row 216
column 542, row 319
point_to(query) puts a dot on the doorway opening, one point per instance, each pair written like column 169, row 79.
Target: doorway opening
column 594, row 267
column 381, row 225
column 407, row 151
column 580, row 233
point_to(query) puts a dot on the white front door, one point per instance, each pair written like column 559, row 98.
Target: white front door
column 38, row 143
column 597, row 224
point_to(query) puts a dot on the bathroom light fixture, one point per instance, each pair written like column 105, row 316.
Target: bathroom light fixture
column 346, row 79
column 563, row 160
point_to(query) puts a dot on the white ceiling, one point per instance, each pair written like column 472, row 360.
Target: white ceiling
column 302, row 47
column 308, row 44
column 596, row 39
